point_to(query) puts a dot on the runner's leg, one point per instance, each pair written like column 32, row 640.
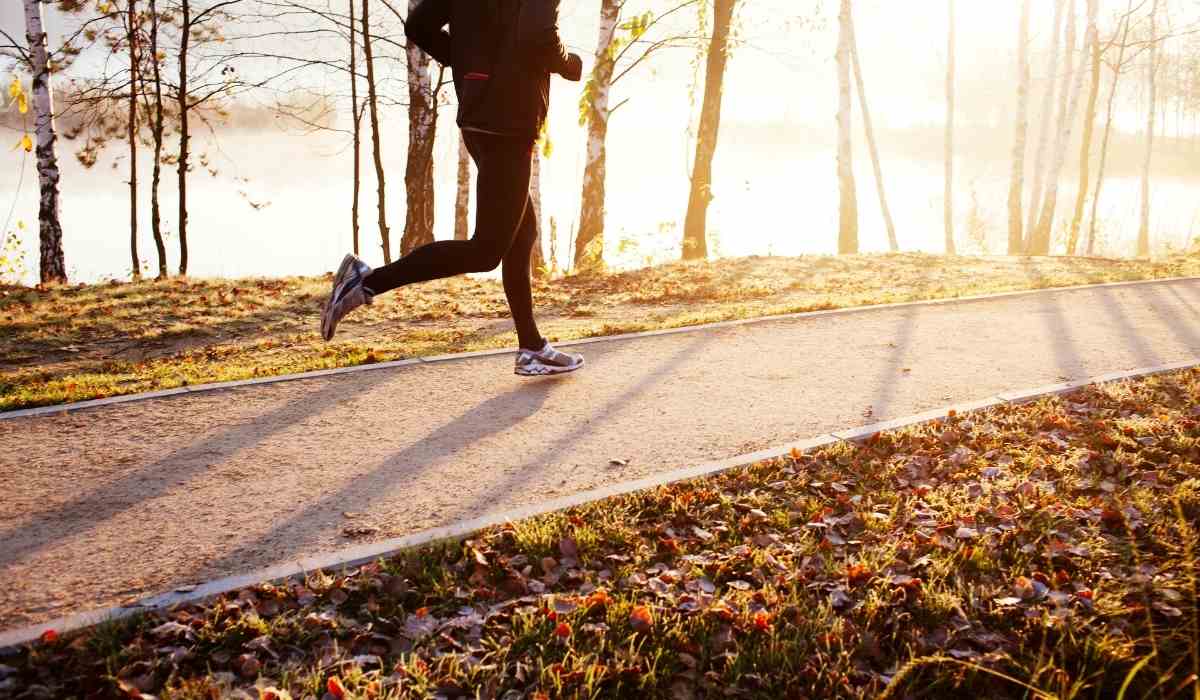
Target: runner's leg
column 517, row 288
column 502, row 190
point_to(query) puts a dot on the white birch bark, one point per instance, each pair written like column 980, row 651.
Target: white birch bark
column 1072, row 87
column 1035, row 195
column 1143, row 242
column 51, row 264
column 462, row 202
column 589, row 243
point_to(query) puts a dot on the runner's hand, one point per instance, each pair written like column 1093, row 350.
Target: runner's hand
column 573, row 71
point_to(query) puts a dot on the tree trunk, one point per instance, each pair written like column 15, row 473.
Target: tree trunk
column 156, row 178
column 1039, row 163
column 537, row 261
column 695, row 239
column 848, row 201
column 1143, row 242
column 376, row 148
column 1072, row 86
column 1089, row 121
column 1016, row 185
column 355, row 116
column 462, row 203
column 1108, row 123
column 422, row 129
column 589, row 242
column 132, row 38
column 185, row 34
column 893, row 243
column 949, row 194
column 52, row 266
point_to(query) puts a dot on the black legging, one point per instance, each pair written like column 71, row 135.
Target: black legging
column 506, row 230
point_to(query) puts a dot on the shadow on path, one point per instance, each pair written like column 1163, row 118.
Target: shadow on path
column 88, row 510
column 489, row 417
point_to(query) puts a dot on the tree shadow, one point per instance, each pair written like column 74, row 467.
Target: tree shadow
column 487, row 418
column 490, row 417
column 42, row 530
column 1166, row 311
column 532, row 468
column 890, row 372
column 1066, row 350
column 1144, row 354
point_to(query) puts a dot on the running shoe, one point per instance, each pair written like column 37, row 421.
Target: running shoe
column 546, row 361
column 348, row 294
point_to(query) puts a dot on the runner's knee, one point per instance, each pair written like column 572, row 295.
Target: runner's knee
column 484, row 256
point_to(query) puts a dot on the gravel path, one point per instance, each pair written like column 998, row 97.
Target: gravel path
column 112, row 504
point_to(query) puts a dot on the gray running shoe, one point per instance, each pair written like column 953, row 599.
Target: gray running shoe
column 348, row 294
column 546, row 361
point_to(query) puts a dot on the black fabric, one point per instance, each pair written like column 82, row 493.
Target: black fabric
column 515, row 43
column 506, row 230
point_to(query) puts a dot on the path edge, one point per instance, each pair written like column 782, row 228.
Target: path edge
column 358, row 555
column 61, row 409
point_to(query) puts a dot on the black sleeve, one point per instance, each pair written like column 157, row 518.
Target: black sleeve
column 425, row 28
column 538, row 35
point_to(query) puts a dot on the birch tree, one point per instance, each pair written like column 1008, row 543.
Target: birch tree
column 1016, row 183
column 131, row 27
column 589, row 241
column 185, row 34
column 356, row 137
column 1143, row 241
column 1035, row 195
column 1072, row 85
column 848, row 202
column 695, row 239
column 52, row 266
column 1089, row 121
column 462, row 202
column 157, row 131
column 893, row 243
column 422, row 130
column 1117, row 68
column 948, row 205
column 537, row 259
column 621, row 48
column 376, row 146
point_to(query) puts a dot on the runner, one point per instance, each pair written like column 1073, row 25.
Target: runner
column 502, row 55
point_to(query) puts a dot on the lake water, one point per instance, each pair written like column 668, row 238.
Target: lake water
column 778, row 199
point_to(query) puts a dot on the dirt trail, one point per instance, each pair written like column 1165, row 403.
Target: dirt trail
column 115, row 503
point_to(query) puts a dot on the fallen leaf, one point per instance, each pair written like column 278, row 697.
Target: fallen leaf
column 966, row 533
column 172, row 629
column 641, row 619
column 248, row 666
column 335, row 687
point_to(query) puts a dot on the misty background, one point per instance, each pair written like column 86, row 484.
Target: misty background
column 275, row 199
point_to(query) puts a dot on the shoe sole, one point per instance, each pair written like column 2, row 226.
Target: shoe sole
column 326, row 331
column 547, row 370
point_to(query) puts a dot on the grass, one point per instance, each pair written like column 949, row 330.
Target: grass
column 75, row 343
column 1046, row 550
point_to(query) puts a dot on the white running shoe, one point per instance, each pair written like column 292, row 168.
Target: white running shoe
column 348, row 294
column 546, row 361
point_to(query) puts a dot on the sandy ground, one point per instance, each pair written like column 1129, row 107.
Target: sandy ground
column 108, row 505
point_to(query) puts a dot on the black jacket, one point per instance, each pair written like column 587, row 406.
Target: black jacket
column 501, row 52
